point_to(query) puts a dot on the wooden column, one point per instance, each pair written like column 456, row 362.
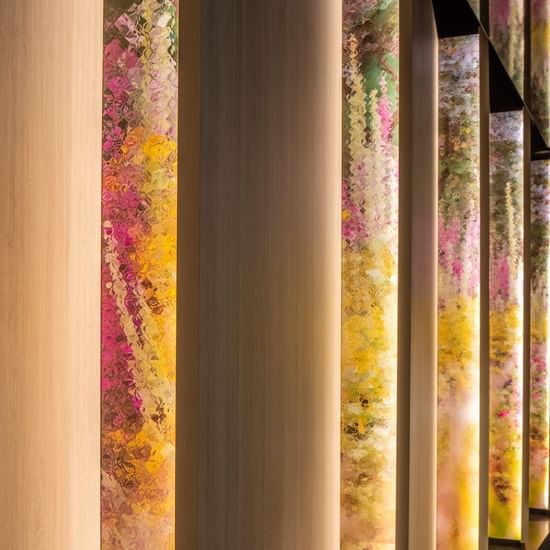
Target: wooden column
column 262, row 437
column 188, row 349
column 423, row 177
column 484, row 388
column 406, row 33
column 526, row 319
column 50, row 138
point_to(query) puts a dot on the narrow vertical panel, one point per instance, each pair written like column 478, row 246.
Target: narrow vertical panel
column 485, row 109
column 540, row 65
column 139, row 274
column 418, row 108
column 507, row 30
column 459, row 294
column 369, row 274
column 50, row 92
column 527, row 270
column 539, row 467
column 188, row 495
column 270, row 269
column 404, row 275
column 506, row 325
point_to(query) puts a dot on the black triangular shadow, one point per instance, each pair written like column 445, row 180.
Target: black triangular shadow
column 539, row 150
column 503, row 93
column 454, row 18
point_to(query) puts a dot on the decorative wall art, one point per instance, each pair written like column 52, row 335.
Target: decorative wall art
column 539, row 442
column 369, row 273
column 459, row 292
column 540, row 65
column 506, row 325
column 139, row 274
column 507, row 30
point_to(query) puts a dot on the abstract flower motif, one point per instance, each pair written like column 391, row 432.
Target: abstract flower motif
column 458, row 299
column 139, row 275
column 369, row 274
column 540, row 65
column 539, row 443
column 506, row 325
column 507, row 27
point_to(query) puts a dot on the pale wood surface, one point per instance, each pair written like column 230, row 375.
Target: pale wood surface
column 268, row 366
column 50, row 139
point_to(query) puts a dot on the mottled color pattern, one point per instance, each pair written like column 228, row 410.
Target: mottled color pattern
column 540, row 345
column 458, row 300
column 507, row 29
column 540, row 65
column 369, row 272
column 139, row 274
column 505, row 324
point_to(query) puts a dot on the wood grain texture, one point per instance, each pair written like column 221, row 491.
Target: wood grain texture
column 424, row 207
column 406, row 30
column 484, row 205
column 188, row 351
column 268, row 366
column 50, row 92
column 527, row 278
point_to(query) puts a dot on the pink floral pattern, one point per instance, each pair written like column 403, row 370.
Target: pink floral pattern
column 539, row 442
column 506, row 325
column 369, row 274
column 458, row 295
column 138, row 275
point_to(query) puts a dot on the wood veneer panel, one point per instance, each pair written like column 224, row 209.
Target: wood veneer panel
column 484, row 111
column 423, row 375
column 269, row 301
column 188, row 268
column 406, row 32
column 526, row 319
column 50, row 120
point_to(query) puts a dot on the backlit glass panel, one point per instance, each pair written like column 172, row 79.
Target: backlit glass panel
column 540, row 65
column 458, row 295
column 506, row 325
column 139, row 274
column 369, row 274
column 540, row 345
column 507, row 32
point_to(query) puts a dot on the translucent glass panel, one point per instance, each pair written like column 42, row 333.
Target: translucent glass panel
column 540, row 345
column 369, row 273
column 506, row 325
column 459, row 288
column 139, row 274
column 540, row 65
column 507, row 29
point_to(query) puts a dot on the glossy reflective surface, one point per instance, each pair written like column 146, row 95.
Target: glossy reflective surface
column 459, row 295
column 369, row 274
column 506, row 324
column 139, row 274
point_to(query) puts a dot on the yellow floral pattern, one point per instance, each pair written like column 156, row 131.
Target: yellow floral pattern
column 506, row 325
column 369, row 274
column 458, row 295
